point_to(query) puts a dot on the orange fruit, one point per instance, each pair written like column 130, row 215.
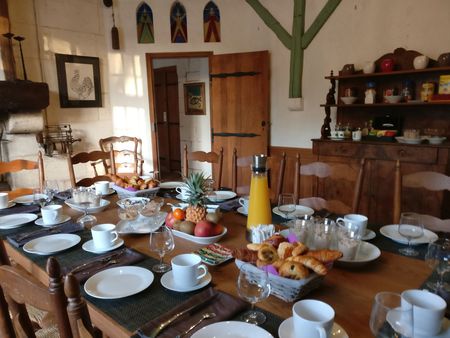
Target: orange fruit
column 179, row 214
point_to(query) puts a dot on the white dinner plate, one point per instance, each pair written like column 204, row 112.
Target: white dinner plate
column 28, row 199
column 231, row 329
column 118, row 282
column 167, row 280
column 90, row 247
column 16, row 220
column 286, row 330
column 10, row 205
column 170, row 185
column 241, row 210
column 40, row 221
column 90, row 210
column 391, row 231
column 51, row 244
column 220, row 196
column 142, row 224
column 367, row 252
column 300, row 211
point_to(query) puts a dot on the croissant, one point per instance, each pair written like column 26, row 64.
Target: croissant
column 293, row 270
column 255, row 246
column 325, row 255
column 311, row 263
column 299, row 249
column 275, row 240
column 267, row 253
column 245, row 255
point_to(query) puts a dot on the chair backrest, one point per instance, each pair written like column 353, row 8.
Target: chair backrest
column 429, row 180
column 241, row 166
column 201, row 156
column 19, row 165
column 127, row 154
column 85, row 157
column 333, row 182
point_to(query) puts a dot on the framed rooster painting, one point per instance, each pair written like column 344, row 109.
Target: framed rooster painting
column 78, row 81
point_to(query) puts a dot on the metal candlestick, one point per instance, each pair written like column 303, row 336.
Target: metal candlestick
column 20, row 39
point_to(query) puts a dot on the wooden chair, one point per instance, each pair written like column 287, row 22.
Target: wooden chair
column 19, row 165
column 85, row 157
column 334, row 181
column 127, row 154
column 242, row 166
column 431, row 181
column 202, row 156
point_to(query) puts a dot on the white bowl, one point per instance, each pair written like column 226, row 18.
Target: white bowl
column 124, row 202
column 90, row 210
column 349, row 99
column 393, row 98
column 436, row 139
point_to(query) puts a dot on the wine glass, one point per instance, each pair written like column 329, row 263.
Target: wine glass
column 286, row 204
column 410, row 227
column 51, row 188
column 391, row 318
column 161, row 242
column 39, row 197
column 253, row 285
column 87, row 198
column 438, row 257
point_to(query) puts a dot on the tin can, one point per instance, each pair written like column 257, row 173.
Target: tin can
column 427, row 91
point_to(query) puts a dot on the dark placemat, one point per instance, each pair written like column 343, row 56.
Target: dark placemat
column 18, row 208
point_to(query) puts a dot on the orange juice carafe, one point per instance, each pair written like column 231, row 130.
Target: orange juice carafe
column 259, row 210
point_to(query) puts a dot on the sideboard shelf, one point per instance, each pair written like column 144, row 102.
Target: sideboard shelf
column 388, row 74
column 402, row 104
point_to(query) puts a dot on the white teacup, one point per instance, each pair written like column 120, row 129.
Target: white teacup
column 312, row 319
column 354, row 219
column 428, row 311
column 51, row 214
column 104, row 235
column 182, row 191
column 244, row 202
column 3, row 200
column 102, row 187
column 186, row 270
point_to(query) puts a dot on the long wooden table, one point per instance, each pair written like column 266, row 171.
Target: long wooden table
column 349, row 291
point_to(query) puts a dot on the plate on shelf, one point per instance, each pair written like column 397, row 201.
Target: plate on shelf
column 90, row 210
column 391, row 231
column 401, row 139
column 51, row 244
column 300, row 211
column 16, row 220
column 336, row 138
column 109, row 283
column 367, row 253
column 214, row 254
column 200, row 240
column 231, row 329
column 221, row 196
column 142, row 224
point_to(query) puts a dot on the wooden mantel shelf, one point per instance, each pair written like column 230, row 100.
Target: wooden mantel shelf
column 23, row 96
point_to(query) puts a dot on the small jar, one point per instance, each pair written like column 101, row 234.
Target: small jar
column 370, row 93
column 407, row 91
column 347, row 131
column 427, row 91
column 357, row 135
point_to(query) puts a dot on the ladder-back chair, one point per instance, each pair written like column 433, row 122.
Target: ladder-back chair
column 127, row 154
column 216, row 159
column 91, row 157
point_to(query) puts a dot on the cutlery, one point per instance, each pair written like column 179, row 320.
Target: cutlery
column 169, row 321
column 100, row 261
column 108, row 263
column 207, row 315
column 43, row 231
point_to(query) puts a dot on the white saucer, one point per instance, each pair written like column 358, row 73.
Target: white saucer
column 10, row 205
column 90, row 247
column 241, row 210
column 369, row 235
column 168, row 282
column 110, row 192
column 286, row 330
column 40, row 221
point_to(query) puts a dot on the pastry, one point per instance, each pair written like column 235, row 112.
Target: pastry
column 275, row 240
column 285, row 250
column 325, row 255
column 293, row 270
column 267, row 253
column 255, row 246
column 310, row 262
column 299, row 249
column 245, row 255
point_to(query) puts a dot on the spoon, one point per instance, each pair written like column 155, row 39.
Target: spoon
column 207, row 315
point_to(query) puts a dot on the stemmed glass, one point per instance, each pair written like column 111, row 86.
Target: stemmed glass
column 438, row 257
column 253, row 285
column 286, row 204
column 51, row 188
column 161, row 242
column 39, row 197
column 391, row 318
column 87, row 198
column 410, row 227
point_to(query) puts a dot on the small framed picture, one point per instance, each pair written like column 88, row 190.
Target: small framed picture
column 194, row 98
column 78, row 81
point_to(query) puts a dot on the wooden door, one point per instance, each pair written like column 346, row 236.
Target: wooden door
column 240, row 107
column 167, row 121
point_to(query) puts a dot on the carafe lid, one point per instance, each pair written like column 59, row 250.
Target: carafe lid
column 259, row 163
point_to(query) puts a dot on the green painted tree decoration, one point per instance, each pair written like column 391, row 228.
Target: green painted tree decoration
column 299, row 40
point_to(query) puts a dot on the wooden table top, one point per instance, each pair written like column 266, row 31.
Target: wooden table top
column 349, row 291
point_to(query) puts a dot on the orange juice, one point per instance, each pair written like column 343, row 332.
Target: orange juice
column 259, row 210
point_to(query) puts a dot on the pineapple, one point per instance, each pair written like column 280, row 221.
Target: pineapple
column 196, row 187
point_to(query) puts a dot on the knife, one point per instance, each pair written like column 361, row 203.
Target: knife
column 38, row 232
column 95, row 262
column 169, row 321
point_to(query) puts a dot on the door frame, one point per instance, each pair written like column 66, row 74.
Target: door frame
column 149, row 57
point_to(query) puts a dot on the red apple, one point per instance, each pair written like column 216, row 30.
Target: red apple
column 204, row 229
column 218, row 229
column 170, row 220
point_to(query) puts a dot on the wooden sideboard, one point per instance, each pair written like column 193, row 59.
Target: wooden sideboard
column 378, row 186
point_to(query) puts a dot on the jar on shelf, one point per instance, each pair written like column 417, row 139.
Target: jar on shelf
column 347, row 131
column 408, row 91
column 370, row 93
column 427, row 91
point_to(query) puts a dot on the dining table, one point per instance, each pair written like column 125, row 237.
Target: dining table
column 349, row 290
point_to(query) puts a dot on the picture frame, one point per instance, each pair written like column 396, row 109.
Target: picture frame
column 194, row 98
column 78, row 81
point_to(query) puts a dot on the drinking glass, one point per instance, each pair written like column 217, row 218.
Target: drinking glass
column 161, row 242
column 87, row 199
column 51, row 188
column 390, row 318
column 438, row 257
column 286, row 204
column 253, row 285
column 410, row 227
column 39, row 197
